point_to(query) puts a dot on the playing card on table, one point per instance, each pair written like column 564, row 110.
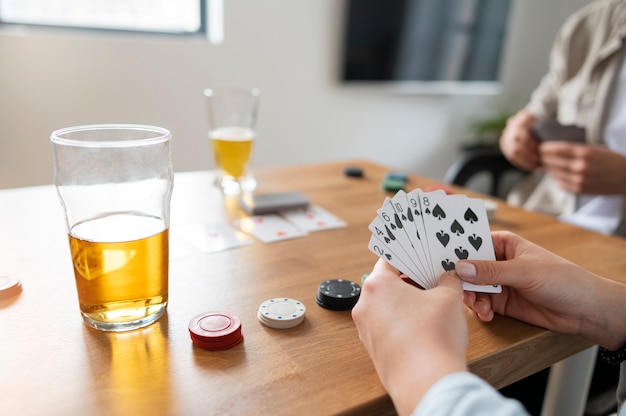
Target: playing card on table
column 313, row 218
column 270, row 228
column 433, row 230
column 210, row 238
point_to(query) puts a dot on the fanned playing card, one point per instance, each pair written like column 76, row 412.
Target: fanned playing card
column 384, row 237
column 424, row 234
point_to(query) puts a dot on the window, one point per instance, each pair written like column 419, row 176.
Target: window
column 154, row 16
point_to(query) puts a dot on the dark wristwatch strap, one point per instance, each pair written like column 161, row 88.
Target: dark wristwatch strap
column 613, row 357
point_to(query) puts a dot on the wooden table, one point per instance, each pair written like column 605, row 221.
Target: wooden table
column 50, row 363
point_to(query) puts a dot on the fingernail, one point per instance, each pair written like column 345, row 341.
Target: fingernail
column 481, row 308
column 466, row 270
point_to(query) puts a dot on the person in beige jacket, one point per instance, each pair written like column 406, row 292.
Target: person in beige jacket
column 585, row 86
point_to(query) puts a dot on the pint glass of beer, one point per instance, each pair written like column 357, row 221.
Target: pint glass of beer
column 115, row 185
column 232, row 120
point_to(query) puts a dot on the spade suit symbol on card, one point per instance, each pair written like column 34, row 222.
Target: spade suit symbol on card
column 443, row 238
column 389, row 233
column 461, row 253
column 438, row 212
column 475, row 241
column 447, row 265
column 432, row 231
column 398, row 222
column 410, row 215
column 470, row 216
column 457, row 228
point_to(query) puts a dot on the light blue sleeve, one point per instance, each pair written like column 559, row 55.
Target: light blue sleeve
column 463, row 393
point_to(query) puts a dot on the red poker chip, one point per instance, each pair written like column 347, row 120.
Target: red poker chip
column 215, row 330
column 9, row 287
column 215, row 346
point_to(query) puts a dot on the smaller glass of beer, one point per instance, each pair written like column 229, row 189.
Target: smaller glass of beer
column 115, row 185
column 232, row 120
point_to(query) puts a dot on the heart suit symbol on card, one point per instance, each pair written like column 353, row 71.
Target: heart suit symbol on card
column 475, row 241
column 447, row 265
column 443, row 238
column 470, row 216
column 438, row 212
column 457, row 228
column 461, row 253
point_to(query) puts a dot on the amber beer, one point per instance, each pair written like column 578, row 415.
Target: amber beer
column 125, row 280
column 232, row 147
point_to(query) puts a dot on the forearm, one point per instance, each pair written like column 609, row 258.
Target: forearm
column 603, row 319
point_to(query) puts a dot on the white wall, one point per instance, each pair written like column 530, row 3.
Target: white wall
column 290, row 49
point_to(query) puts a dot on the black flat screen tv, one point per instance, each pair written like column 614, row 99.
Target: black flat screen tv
column 428, row 45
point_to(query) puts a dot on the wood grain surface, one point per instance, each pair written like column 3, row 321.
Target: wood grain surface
column 52, row 364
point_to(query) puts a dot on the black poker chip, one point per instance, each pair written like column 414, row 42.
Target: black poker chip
column 354, row 172
column 338, row 294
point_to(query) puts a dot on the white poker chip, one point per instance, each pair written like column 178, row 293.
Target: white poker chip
column 281, row 313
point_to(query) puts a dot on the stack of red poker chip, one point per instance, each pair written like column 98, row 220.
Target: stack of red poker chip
column 9, row 287
column 215, row 330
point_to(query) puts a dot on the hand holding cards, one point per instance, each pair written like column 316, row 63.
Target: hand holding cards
column 552, row 130
column 424, row 234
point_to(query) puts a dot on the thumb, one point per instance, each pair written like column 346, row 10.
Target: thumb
column 485, row 272
column 450, row 280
